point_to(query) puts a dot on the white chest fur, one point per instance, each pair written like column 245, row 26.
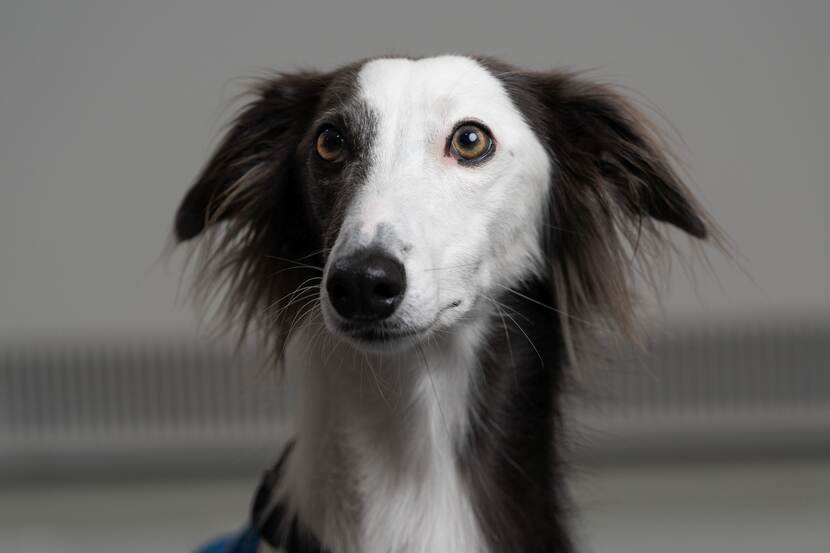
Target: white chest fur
column 375, row 468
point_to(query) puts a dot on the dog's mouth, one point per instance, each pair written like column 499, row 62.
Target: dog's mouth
column 379, row 333
column 379, row 337
column 376, row 335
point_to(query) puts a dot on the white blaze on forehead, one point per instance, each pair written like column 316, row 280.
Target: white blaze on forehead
column 417, row 104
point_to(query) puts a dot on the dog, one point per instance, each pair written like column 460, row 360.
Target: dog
column 426, row 246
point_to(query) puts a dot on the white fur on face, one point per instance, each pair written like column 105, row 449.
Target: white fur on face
column 461, row 231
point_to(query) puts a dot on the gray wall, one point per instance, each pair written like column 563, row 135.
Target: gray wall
column 108, row 108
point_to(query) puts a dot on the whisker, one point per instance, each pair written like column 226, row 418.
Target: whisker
column 561, row 229
column 377, row 381
column 274, row 317
column 301, row 315
column 318, row 252
column 302, row 287
column 546, row 306
column 295, row 262
column 542, row 361
column 298, row 319
column 509, row 344
column 318, row 336
column 297, row 296
column 294, row 268
column 434, row 389
column 507, row 307
column 452, row 267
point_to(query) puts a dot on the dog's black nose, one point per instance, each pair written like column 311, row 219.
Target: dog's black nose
column 366, row 286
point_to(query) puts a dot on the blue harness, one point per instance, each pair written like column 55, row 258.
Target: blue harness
column 246, row 541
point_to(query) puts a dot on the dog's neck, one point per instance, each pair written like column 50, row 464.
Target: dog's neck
column 448, row 446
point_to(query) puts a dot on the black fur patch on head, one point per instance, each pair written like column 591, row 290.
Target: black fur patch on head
column 332, row 186
column 269, row 207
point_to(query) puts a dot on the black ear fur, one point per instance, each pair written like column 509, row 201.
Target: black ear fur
column 598, row 134
column 612, row 181
column 265, row 132
column 631, row 156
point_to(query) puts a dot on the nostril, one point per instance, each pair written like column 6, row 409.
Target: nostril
column 338, row 291
column 341, row 291
column 387, row 290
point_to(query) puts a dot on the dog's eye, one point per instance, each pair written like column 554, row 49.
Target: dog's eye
column 330, row 144
column 471, row 143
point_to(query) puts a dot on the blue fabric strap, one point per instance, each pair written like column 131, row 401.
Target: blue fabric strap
column 246, row 541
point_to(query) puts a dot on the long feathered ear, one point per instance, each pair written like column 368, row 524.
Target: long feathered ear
column 248, row 268
column 602, row 140
column 260, row 140
column 613, row 181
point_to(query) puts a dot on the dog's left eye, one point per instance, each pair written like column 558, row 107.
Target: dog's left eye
column 330, row 144
column 471, row 142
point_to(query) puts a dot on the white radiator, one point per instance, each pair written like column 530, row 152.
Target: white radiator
column 168, row 406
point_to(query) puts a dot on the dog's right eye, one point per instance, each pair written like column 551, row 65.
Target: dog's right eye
column 470, row 143
column 330, row 144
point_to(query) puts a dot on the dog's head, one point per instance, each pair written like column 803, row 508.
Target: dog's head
column 404, row 196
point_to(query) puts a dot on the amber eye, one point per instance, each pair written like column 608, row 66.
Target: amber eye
column 330, row 144
column 471, row 143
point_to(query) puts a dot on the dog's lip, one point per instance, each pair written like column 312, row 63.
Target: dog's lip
column 377, row 332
